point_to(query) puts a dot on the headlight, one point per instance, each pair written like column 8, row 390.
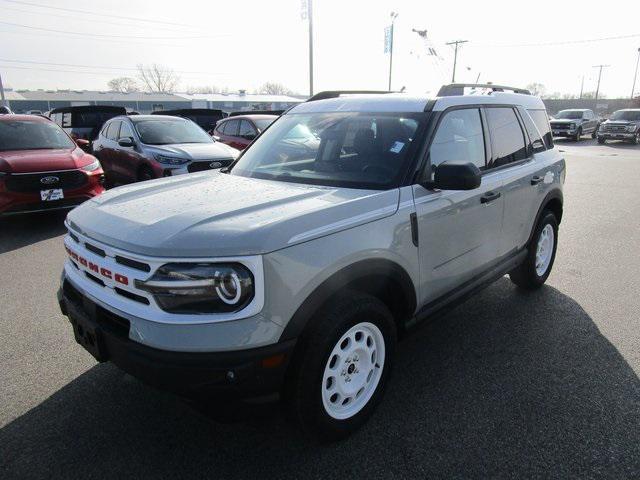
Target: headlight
column 200, row 287
column 631, row 128
column 92, row 167
column 573, row 125
column 171, row 160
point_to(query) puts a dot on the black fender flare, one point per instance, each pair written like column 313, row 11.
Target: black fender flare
column 358, row 272
column 554, row 195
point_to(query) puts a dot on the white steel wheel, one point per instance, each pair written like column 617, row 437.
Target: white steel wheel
column 353, row 371
column 544, row 250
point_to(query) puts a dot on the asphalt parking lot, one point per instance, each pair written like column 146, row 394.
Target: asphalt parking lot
column 506, row 385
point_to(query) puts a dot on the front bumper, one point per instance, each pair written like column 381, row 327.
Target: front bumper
column 256, row 373
column 564, row 133
column 616, row 135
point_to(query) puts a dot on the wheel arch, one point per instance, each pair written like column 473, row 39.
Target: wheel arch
column 382, row 278
column 553, row 201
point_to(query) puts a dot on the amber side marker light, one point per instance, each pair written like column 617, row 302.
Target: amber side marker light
column 273, row 362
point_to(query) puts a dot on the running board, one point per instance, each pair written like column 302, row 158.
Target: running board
column 458, row 295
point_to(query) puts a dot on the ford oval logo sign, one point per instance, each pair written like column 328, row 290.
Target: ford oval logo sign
column 215, row 164
column 49, row 180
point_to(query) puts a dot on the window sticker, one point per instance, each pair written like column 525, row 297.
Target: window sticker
column 396, row 147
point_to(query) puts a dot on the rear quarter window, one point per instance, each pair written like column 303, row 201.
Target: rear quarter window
column 541, row 119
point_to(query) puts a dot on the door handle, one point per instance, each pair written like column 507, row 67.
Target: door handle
column 489, row 197
column 536, row 180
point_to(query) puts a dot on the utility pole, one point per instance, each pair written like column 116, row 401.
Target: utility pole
column 3, row 101
column 581, row 86
column 310, row 15
column 635, row 75
column 455, row 57
column 394, row 15
column 599, row 76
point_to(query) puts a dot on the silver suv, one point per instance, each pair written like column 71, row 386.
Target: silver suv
column 292, row 273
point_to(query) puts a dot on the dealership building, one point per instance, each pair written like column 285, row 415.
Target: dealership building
column 21, row 101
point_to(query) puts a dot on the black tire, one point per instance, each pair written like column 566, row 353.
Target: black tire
column 578, row 135
column 145, row 173
column 602, row 141
column 595, row 133
column 303, row 391
column 636, row 139
column 526, row 276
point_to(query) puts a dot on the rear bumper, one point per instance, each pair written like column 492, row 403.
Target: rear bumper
column 255, row 374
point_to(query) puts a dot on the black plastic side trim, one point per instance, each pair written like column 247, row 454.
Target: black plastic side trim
column 464, row 291
column 414, row 228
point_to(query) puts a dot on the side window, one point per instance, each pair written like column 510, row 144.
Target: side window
column 541, row 120
column 507, row 137
column 231, row 128
column 537, row 143
column 112, row 131
column 459, row 138
column 246, row 130
column 125, row 131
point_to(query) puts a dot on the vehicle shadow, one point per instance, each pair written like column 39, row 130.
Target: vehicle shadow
column 587, row 141
column 506, row 385
column 22, row 230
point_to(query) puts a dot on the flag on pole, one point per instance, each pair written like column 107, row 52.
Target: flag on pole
column 387, row 39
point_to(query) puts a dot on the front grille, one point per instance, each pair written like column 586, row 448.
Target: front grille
column 94, row 249
column 614, row 128
column 32, row 182
column 133, row 263
column 202, row 165
column 51, row 205
column 560, row 126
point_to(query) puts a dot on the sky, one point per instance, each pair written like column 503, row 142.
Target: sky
column 68, row 44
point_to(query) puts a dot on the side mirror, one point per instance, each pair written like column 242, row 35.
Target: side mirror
column 126, row 142
column 216, row 138
column 83, row 144
column 456, row 176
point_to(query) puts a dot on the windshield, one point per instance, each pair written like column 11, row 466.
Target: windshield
column 570, row 114
column 169, row 132
column 32, row 135
column 629, row 115
column 357, row 150
column 263, row 123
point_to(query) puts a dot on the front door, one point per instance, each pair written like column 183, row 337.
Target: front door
column 459, row 231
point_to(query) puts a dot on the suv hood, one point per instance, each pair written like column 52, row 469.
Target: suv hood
column 621, row 122
column 197, row 151
column 212, row 214
column 565, row 120
column 27, row 161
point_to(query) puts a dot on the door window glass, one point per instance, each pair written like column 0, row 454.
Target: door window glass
column 507, row 137
column 246, row 130
column 459, row 138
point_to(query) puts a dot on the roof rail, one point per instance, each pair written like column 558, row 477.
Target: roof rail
column 336, row 93
column 455, row 89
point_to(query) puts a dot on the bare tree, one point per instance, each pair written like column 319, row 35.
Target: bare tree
column 537, row 89
column 157, row 78
column 123, row 85
column 274, row 88
column 203, row 89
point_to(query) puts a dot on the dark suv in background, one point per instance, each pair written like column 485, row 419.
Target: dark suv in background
column 575, row 123
column 622, row 125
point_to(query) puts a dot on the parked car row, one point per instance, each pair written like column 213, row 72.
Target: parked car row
column 622, row 125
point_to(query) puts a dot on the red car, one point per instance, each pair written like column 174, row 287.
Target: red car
column 239, row 131
column 42, row 168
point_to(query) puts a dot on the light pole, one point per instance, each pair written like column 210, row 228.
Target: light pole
column 633, row 89
column 455, row 57
column 310, row 15
column 394, row 15
column 599, row 76
column 3, row 102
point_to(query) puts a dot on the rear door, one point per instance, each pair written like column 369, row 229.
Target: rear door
column 515, row 144
column 459, row 231
column 247, row 133
column 127, row 160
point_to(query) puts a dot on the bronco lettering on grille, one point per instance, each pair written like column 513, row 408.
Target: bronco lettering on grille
column 105, row 272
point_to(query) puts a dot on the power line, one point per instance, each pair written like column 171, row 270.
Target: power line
column 98, row 35
column 99, row 67
column 86, row 12
column 560, row 42
column 106, row 22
